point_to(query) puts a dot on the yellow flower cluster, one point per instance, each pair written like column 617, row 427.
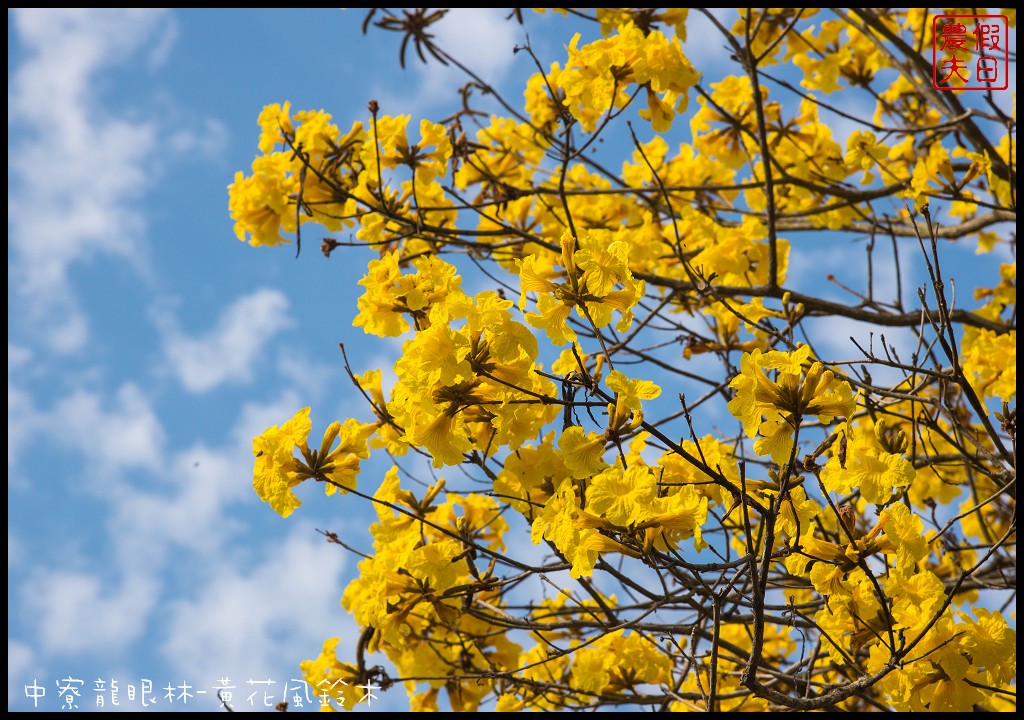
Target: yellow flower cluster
column 412, row 589
column 684, row 240
column 773, row 408
column 287, row 184
column 330, row 178
column 277, row 469
column 597, row 76
column 592, row 269
column 990, row 359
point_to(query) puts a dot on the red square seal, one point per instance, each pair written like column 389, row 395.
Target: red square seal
column 970, row 52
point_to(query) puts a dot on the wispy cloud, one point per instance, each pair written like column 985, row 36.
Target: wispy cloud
column 22, row 417
column 21, row 664
column 244, row 622
column 76, row 169
column 480, row 38
column 227, row 352
column 187, row 509
column 81, row 612
column 112, row 437
column 230, row 601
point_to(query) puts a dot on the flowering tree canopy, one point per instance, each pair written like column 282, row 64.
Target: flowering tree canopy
column 674, row 467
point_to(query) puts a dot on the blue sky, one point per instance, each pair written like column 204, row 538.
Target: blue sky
column 147, row 345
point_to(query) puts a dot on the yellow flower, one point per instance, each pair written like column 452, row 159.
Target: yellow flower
column 676, row 517
column 275, row 472
column 828, row 579
column 444, row 437
column 631, row 392
column 877, row 473
column 864, row 151
column 621, row 497
column 276, row 124
column 787, row 399
column 437, row 565
column 261, row 205
column 552, row 317
column 991, row 642
column 390, row 294
column 582, row 454
column 947, row 695
column 990, row 362
column 593, row 267
column 905, row 531
column 603, row 264
column 341, row 465
column 535, row 275
column 316, row 136
column 337, row 680
column 558, row 521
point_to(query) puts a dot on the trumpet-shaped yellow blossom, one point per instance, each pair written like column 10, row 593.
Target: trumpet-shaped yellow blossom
column 630, row 391
column 337, row 680
column 774, row 408
column 864, row 151
column 297, row 179
column 596, row 76
column 556, row 522
column 620, row 496
column 530, row 475
column 582, row 453
column 619, row 662
column 675, row 517
column 275, row 474
column 261, row 204
column 391, row 294
column 388, row 434
column 593, row 267
column 276, row 126
column 277, row 470
column 462, row 379
column 875, row 472
column 733, row 107
column 905, row 531
column 392, row 148
column 990, row 362
column 340, row 465
column 507, row 156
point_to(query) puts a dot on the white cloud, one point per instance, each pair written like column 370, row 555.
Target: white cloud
column 20, row 663
column 308, row 376
column 207, row 140
column 480, row 38
column 110, row 434
column 78, row 612
column 17, row 357
column 188, row 512
column 227, row 352
column 228, row 618
column 76, row 171
column 15, row 549
column 128, row 435
column 23, row 421
column 706, row 47
column 250, row 624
